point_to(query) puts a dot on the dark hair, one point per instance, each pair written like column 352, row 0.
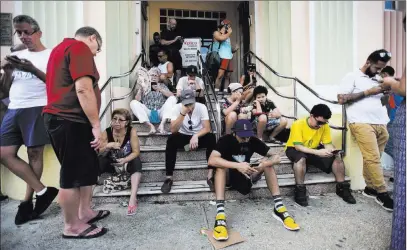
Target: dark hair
column 164, row 51
column 389, row 70
column 321, row 110
column 88, row 31
column 123, row 112
column 156, row 34
column 27, row 19
column 376, row 56
column 259, row 90
column 404, row 23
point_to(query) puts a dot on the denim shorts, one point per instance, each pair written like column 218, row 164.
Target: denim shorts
column 23, row 126
column 271, row 123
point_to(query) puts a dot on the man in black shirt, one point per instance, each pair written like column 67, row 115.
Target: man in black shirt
column 172, row 42
column 154, row 49
column 233, row 153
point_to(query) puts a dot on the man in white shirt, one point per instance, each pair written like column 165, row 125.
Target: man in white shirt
column 191, row 129
column 367, row 117
column 191, row 81
column 166, row 68
column 23, row 122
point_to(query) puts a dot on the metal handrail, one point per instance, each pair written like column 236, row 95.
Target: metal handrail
column 343, row 128
column 209, row 87
column 109, row 104
column 124, row 74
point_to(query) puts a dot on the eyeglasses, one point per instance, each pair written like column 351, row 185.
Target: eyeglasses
column 25, row 32
column 160, row 56
column 99, row 47
column 190, row 124
column 383, row 54
column 115, row 119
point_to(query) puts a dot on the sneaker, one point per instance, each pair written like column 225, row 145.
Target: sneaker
column 300, row 195
column 220, row 231
column 384, row 200
column 369, row 192
column 24, row 213
column 282, row 215
column 166, row 187
column 44, row 201
column 343, row 191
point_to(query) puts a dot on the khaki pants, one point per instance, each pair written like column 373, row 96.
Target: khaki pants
column 372, row 140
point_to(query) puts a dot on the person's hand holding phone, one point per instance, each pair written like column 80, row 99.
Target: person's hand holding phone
column 324, row 152
column 193, row 143
column 246, row 169
column 21, row 64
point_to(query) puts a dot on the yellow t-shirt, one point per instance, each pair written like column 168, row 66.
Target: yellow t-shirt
column 302, row 134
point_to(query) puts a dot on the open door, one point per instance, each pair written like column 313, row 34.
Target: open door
column 244, row 26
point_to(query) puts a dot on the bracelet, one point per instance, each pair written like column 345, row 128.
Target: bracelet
column 182, row 114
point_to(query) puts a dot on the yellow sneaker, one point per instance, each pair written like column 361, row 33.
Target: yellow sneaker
column 220, row 231
column 282, row 215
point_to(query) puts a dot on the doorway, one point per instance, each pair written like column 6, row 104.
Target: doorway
column 244, row 25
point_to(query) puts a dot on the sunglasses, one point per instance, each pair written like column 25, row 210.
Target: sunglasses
column 25, row 32
column 320, row 123
column 99, row 47
column 383, row 54
column 160, row 56
column 118, row 120
column 190, row 124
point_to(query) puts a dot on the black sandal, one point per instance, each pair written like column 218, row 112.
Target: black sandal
column 101, row 214
column 84, row 234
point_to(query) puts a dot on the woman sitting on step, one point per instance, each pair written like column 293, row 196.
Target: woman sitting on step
column 120, row 152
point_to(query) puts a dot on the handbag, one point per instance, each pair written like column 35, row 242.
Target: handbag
column 154, row 117
column 213, row 59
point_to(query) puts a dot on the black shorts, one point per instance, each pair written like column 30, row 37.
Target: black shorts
column 323, row 163
column 23, row 126
column 106, row 166
column 71, row 143
column 239, row 182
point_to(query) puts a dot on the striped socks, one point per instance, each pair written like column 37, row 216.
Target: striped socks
column 220, row 207
column 278, row 202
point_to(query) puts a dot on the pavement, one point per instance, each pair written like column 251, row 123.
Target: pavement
column 328, row 223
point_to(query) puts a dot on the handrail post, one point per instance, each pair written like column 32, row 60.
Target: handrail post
column 295, row 100
column 111, row 96
column 344, row 125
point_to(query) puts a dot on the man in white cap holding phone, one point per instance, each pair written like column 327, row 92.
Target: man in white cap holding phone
column 191, row 129
column 233, row 153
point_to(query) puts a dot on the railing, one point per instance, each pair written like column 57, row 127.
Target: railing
column 248, row 57
column 209, row 89
column 109, row 81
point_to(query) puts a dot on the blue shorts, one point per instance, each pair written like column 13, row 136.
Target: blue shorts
column 271, row 123
column 23, row 126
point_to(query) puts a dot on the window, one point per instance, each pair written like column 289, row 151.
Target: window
column 217, row 16
column 390, row 5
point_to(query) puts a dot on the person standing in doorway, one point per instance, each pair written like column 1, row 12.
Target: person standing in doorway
column 22, row 123
column 367, row 117
column 172, row 42
column 222, row 43
column 154, row 49
column 72, row 121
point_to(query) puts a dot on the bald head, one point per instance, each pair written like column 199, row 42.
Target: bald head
column 172, row 24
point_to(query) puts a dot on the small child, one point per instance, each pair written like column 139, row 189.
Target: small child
column 266, row 116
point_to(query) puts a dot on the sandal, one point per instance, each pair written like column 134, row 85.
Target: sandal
column 131, row 208
column 211, row 184
column 84, row 234
column 101, row 214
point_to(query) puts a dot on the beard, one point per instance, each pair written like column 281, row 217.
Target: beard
column 369, row 73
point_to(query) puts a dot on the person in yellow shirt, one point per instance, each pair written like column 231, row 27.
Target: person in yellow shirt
column 310, row 143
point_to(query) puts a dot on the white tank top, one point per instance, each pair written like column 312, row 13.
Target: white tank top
column 163, row 67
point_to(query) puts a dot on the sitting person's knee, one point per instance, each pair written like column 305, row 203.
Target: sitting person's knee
column 283, row 122
column 232, row 116
column 262, row 119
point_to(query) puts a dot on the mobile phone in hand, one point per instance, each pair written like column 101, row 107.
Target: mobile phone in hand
column 187, row 148
column 13, row 58
column 337, row 151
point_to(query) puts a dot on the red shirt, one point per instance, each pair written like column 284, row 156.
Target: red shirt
column 69, row 61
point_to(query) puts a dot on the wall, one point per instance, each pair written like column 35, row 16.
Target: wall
column 229, row 7
column 7, row 7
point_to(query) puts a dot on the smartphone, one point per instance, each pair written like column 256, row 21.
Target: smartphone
column 337, row 151
column 14, row 58
column 153, row 84
column 187, row 148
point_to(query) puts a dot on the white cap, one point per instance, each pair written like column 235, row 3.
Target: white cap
column 235, row 86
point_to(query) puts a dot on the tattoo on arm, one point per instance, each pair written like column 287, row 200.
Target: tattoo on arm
column 349, row 98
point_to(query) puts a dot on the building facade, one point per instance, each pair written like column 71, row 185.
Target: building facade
column 315, row 41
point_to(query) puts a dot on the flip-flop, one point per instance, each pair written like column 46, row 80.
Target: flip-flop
column 130, row 208
column 84, row 234
column 101, row 214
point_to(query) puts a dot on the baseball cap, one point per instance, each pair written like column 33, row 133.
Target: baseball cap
column 187, row 97
column 243, row 128
column 235, row 86
column 191, row 69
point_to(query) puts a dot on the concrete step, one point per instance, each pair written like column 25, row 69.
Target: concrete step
column 317, row 183
column 198, row 170
column 156, row 153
